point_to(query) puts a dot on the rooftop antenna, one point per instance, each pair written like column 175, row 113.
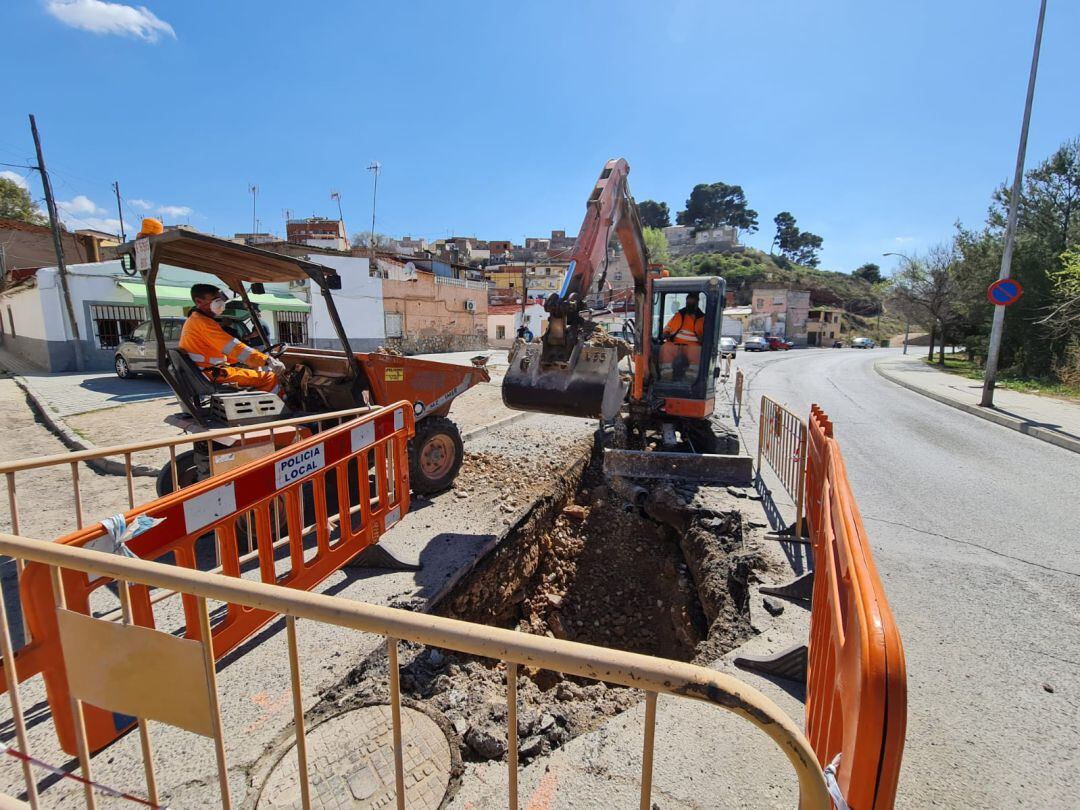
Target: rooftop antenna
column 254, row 190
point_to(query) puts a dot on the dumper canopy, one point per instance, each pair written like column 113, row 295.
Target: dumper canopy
column 232, row 262
column 242, row 268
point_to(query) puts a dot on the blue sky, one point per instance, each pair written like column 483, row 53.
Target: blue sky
column 877, row 124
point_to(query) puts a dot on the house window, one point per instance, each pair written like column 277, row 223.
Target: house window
column 500, row 332
column 761, row 303
column 291, row 327
column 113, row 322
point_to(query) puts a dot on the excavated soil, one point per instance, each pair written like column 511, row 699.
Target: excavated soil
column 667, row 579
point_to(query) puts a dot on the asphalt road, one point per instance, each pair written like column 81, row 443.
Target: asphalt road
column 975, row 533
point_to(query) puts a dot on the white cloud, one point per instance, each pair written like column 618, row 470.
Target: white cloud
column 106, row 224
column 143, row 205
column 78, row 205
column 903, row 240
column 17, row 179
column 175, row 211
column 100, row 17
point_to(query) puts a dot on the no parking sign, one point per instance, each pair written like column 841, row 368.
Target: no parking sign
column 1004, row 291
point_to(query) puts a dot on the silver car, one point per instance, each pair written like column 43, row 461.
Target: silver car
column 137, row 353
column 863, row 343
column 728, row 346
column 755, row 343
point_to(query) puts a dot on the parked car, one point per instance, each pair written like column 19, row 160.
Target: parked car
column 755, row 343
column 863, row 343
column 137, row 353
column 728, row 346
column 778, row 344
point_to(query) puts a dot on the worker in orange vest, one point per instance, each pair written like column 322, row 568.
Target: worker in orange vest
column 212, row 349
column 683, row 336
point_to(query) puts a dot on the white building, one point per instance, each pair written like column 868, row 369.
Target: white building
column 108, row 305
column 359, row 302
column 735, row 321
column 504, row 320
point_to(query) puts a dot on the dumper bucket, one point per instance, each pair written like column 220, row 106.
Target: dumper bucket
column 588, row 384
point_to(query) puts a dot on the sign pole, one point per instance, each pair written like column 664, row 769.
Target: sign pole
column 990, row 374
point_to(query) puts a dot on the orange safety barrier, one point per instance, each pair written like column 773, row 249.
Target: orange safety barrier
column 327, row 470
column 856, row 701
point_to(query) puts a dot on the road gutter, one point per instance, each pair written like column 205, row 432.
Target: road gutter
column 989, row 414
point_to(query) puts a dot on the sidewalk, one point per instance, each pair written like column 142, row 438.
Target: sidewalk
column 1056, row 421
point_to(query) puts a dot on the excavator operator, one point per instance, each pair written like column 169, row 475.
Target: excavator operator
column 681, row 351
column 212, row 349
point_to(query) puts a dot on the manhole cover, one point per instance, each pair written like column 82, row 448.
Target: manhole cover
column 351, row 763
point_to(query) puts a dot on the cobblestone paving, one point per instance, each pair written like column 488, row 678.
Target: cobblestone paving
column 351, row 763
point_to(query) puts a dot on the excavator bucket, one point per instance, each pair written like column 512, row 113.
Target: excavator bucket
column 588, row 384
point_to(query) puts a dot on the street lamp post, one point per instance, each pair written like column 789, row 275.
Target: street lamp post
column 907, row 317
column 373, row 167
column 998, row 325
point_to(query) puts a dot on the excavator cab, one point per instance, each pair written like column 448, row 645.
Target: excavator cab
column 685, row 333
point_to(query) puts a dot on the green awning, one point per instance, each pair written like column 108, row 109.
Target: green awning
column 171, row 295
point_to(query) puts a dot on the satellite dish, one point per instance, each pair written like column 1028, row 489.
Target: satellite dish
column 410, row 269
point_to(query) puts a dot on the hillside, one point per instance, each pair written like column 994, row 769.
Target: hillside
column 744, row 269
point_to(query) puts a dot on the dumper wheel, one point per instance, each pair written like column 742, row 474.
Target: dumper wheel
column 435, row 455
column 187, row 471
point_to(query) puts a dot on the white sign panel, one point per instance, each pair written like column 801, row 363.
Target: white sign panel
column 363, row 436
column 142, row 254
column 292, row 468
column 202, row 510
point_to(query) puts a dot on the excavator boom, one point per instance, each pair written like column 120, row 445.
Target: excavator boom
column 572, row 370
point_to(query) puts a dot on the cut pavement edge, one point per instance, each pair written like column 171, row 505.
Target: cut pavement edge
column 989, row 414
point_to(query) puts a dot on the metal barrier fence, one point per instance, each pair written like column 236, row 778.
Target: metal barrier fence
column 66, row 563
column 782, row 443
column 282, row 431
column 354, row 476
column 244, row 436
column 856, row 702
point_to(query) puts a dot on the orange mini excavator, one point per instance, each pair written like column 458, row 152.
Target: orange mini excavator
column 663, row 399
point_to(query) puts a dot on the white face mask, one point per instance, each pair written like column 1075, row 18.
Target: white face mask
column 217, row 306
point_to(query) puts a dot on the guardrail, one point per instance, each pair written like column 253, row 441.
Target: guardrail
column 782, row 443
column 856, row 701
column 355, row 478
column 653, row 675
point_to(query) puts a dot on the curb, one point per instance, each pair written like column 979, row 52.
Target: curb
column 73, row 441
column 998, row 418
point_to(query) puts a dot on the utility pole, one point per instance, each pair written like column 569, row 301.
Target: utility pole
column 998, row 325
column 254, row 190
column 119, row 210
column 61, row 265
column 374, row 167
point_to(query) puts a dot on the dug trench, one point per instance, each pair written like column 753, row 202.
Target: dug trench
column 659, row 574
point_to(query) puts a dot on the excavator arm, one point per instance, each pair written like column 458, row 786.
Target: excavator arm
column 610, row 206
column 569, row 371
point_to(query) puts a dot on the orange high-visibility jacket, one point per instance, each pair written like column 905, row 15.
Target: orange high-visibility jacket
column 208, row 345
column 685, row 328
